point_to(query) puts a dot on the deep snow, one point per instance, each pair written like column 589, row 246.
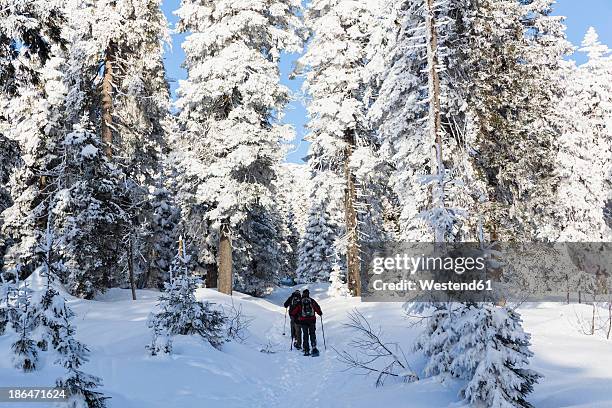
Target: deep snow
column 577, row 368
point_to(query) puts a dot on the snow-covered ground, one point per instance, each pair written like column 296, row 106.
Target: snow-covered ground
column 577, row 369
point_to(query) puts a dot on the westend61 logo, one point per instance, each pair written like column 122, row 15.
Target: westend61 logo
column 473, row 272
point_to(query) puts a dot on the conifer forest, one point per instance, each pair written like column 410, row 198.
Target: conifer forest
column 197, row 196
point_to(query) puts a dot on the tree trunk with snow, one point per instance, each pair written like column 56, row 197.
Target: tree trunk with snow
column 224, row 262
column 107, row 101
column 130, row 262
column 350, row 198
column 433, row 85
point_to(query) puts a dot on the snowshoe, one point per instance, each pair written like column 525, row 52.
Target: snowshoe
column 315, row 353
column 306, row 352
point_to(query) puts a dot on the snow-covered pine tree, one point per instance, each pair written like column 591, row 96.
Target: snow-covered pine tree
column 492, row 353
column 337, row 279
column 30, row 35
column 438, row 339
column 138, row 108
column 316, row 247
column 423, row 56
column 336, row 82
column 56, row 329
column 294, row 184
column 518, row 47
column 28, row 32
column 125, row 39
column 229, row 110
column 452, row 126
column 415, row 109
column 89, row 219
column 56, row 318
column 37, row 126
column 584, row 162
column 9, row 159
column 80, row 385
column 90, row 205
column 164, row 227
column 291, row 197
column 178, row 312
column 24, row 320
column 262, row 251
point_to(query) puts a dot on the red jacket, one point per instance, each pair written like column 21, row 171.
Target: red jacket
column 308, row 319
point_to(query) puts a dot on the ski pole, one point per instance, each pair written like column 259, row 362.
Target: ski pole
column 285, row 324
column 323, row 330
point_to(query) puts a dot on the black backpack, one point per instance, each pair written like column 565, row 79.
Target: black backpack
column 295, row 300
column 307, row 309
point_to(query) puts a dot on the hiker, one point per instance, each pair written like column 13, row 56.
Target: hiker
column 307, row 319
column 292, row 303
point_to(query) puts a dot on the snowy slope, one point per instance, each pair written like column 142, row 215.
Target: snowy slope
column 577, row 368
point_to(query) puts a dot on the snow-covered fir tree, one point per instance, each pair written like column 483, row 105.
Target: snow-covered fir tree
column 294, row 184
column 485, row 345
column 316, row 246
column 30, row 36
column 292, row 190
column 164, row 228
column 24, row 322
column 81, row 386
column 56, row 318
column 28, row 32
column 337, row 280
column 229, row 110
column 37, row 127
column 437, row 340
column 57, row 330
column 584, row 162
column 9, row 150
column 264, row 250
column 138, row 106
column 336, row 82
column 89, row 216
column 516, row 122
column 178, row 312
column 492, row 353
column 449, row 118
column 415, row 108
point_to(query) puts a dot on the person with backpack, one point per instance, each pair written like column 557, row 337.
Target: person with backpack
column 307, row 319
column 292, row 303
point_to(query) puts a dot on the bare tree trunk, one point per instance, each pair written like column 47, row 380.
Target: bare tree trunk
column 353, row 263
column 433, row 85
column 107, row 101
column 211, row 276
column 149, row 273
column 131, row 267
column 224, row 261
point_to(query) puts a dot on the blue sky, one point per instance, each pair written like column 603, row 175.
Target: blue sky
column 580, row 14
